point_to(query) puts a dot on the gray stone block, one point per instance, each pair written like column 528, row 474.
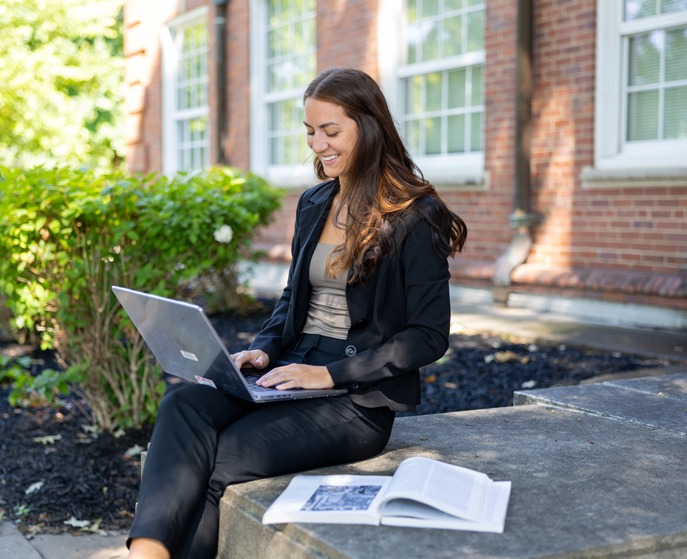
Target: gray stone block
column 13, row 545
column 583, row 487
column 613, row 400
column 668, row 386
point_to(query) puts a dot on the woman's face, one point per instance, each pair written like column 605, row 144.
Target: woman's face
column 331, row 135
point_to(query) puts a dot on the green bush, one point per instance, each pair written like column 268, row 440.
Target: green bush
column 67, row 236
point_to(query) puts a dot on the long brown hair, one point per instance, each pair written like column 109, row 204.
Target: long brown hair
column 388, row 191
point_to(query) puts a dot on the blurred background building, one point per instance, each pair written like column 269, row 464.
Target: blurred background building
column 556, row 128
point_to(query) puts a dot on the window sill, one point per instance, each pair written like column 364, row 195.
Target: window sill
column 640, row 178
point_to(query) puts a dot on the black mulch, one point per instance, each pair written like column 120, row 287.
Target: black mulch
column 88, row 476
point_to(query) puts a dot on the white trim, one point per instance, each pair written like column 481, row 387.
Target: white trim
column 645, row 24
column 631, row 178
column 288, row 176
column 611, row 152
column 189, row 18
column 446, row 172
column 449, row 63
column 169, row 68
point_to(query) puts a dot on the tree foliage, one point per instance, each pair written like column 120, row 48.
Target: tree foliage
column 61, row 70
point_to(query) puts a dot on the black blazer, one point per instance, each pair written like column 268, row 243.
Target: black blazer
column 400, row 317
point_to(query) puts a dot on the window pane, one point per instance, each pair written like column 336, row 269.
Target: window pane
column 645, row 58
column 476, row 86
column 676, row 54
column 430, row 8
column 412, row 10
column 635, row 9
column 274, row 151
column 453, row 36
column 475, row 27
column 413, row 135
column 642, row 117
column 433, row 92
column 456, row 89
column 433, row 136
column 450, row 5
column 430, row 44
column 675, row 113
column 413, row 88
column 475, row 131
column 414, row 41
column 670, row 6
column 456, row 134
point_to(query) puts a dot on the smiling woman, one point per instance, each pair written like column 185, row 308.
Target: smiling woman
column 365, row 306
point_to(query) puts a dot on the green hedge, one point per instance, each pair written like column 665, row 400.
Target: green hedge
column 67, row 236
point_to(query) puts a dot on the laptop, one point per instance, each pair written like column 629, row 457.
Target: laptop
column 185, row 343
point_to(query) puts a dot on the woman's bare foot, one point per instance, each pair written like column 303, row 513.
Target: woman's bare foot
column 147, row 548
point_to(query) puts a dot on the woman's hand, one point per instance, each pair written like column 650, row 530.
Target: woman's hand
column 297, row 375
column 255, row 358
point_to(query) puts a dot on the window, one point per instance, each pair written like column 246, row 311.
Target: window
column 185, row 79
column 283, row 33
column 438, row 84
column 641, row 96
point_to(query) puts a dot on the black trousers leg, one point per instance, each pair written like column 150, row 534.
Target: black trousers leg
column 181, row 458
column 239, row 441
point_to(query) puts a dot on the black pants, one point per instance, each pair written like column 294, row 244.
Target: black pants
column 205, row 440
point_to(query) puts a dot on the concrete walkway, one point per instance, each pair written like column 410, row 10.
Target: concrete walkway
column 588, row 481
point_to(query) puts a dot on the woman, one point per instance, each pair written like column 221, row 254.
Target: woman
column 365, row 306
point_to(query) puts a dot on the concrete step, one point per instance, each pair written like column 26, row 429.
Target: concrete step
column 584, row 486
column 658, row 402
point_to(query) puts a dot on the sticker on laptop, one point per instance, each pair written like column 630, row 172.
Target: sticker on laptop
column 188, row 355
column 205, row 381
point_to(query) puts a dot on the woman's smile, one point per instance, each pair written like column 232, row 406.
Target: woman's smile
column 332, row 135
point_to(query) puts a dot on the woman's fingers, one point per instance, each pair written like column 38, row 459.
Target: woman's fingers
column 255, row 358
column 297, row 376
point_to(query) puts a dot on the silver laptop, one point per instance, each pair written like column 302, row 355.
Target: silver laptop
column 186, row 345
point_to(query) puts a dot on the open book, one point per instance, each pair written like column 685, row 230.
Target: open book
column 423, row 493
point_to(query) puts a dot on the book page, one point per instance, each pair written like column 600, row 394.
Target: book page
column 341, row 499
column 449, row 488
column 401, row 512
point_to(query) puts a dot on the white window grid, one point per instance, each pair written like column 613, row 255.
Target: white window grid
column 468, row 60
column 289, row 68
column 472, row 111
column 657, row 33
column 470, row 11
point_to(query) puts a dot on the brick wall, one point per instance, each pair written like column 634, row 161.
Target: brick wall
column 143, row 22
column 486, row 213
column 238, row 86
column 347, row 35
column 637, row 235
column 636, row 238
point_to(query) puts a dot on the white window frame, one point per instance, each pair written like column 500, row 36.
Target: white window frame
column 289, row 176
column 612, row 153
column 170, row 40
column 461, row 171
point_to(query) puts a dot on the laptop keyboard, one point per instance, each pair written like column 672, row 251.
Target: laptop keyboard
column 252, row 379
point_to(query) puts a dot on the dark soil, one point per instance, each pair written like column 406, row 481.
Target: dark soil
column 90, row 476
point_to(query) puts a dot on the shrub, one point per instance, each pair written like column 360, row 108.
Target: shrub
column 67, row 236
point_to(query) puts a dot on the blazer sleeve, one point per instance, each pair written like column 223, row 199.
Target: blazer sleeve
column 269, row 339
column 428, row 315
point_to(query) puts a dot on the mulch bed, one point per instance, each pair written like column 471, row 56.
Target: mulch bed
column 90, row 477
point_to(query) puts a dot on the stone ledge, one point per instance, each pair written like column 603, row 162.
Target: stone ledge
column 658, row 402
column 621, row 496
column 624, row 178
column 624, row 281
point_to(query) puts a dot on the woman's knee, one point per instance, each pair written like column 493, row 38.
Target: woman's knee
column 192, row 396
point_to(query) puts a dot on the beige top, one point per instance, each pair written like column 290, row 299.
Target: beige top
column 328, row 311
